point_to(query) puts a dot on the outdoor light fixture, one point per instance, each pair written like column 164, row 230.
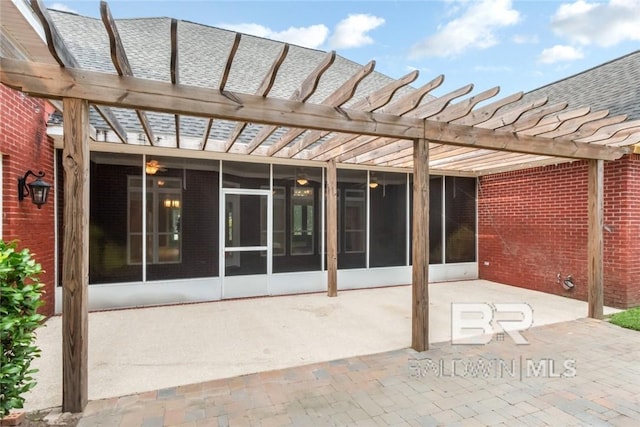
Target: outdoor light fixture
column 302, row 179
column 152, row 167
column 567, row 283
column 373, row 182
column 38, row 189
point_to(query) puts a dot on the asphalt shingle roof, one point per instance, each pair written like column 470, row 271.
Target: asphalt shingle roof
column 614, row 85
column 203, row 53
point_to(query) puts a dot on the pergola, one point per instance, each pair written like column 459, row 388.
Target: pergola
column 384, row 129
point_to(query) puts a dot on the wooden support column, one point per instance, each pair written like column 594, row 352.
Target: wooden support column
column 595, row 245
column 332, row 229
column 420, row 259
column 75, row 269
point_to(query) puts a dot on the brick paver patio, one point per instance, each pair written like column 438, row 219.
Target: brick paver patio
column 583, row 372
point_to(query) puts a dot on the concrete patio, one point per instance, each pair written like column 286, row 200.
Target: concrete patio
column 140, row 350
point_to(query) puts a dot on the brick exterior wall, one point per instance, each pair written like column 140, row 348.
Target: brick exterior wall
column 532, row 225
column 24, row 145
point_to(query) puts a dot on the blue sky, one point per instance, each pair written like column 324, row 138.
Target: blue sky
column 517, row 45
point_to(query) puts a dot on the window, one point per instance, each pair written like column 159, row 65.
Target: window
column 460, row 224
column 163, row 214
column 388, row 219
column 302, row 218
column 279, row 221
column 354, row 221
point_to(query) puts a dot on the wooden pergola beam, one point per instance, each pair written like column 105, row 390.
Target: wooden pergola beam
column 336, row 100
column 420, row 254
column 175, row 71
column 376, row 100
column 222, row 84
column 332, row 229
column 263, row 90
column 487, row 112
column 121, row 62
column 595, row 270
column 49, row 81
column 452, row 134
column 65, row 58
column 75, row 269
column 409, row 102
column 307, row 88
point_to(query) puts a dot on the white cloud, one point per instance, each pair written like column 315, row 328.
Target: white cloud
column 475, row 28
column 559, row 53
column 352, row 31
column 602, row 23
column 62, row 7
column 312, row 36
column 524, row 39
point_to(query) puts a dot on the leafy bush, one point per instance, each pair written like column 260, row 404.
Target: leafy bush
column 20, row 292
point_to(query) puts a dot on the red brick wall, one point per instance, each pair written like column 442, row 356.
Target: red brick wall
column 24, row 145
column 532, row 225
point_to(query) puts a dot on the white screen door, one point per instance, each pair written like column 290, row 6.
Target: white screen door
column 246, row 242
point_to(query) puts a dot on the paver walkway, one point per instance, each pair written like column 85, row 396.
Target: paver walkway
column 583, row 372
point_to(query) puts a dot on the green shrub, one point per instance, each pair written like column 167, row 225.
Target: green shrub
column 20, row 292
column 629, row 319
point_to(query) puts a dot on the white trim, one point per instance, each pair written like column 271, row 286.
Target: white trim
column 56, row 236
column 138, row 294
column 221, row 230
column 270, row 226
column 245, row 248
column 246, row 191
column 408, row 222
column 322, row 223
column 367, row 221
column 443, row 220
column 298, row 282
column 144, row 218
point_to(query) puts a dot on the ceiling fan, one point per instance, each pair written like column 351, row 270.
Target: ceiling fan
column 153, row 166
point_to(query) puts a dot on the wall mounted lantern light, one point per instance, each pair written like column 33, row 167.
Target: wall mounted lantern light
column 37, row 189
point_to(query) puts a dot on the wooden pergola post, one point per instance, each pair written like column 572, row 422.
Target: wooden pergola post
column 420, row 259
column 332, row 229
column 75, row 269
column 595, row 236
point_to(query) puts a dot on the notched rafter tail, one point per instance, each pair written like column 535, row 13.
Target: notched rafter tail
column 65, row 58
column 222, row 84
column 337, row 99
column 263, row 90
column 371, row 103
column 511, row 115
column 531, row 119
column 488, row 111
column 304, row 92
column 121, row 62
column 571, row 125
column 438, row 105
column 175, row 70
column 408, row 103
